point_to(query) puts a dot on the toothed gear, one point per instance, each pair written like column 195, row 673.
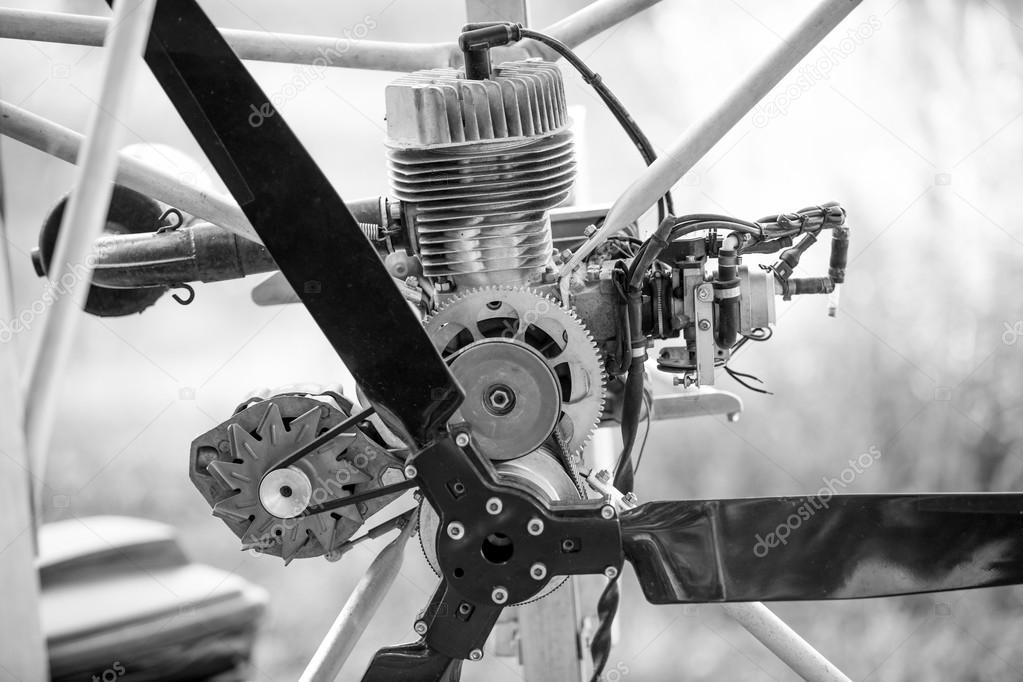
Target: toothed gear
column 542, row 333
column 231, row 466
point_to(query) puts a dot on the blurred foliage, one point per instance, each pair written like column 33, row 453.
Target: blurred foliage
column 916, row 130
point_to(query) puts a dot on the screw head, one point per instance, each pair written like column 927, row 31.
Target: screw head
column 462, row 439
column 703, row 293
column 607, row 512
column 535, row 526
column 411, row 472
column 456, row 531
column 704, row 325
column 611, row 572
column 499, row 595
column 538, row 571
column 420, row 627
column 494, row 506
column 475, row 654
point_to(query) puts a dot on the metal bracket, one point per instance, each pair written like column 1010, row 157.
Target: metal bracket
column 704, row 308
column 696, row 402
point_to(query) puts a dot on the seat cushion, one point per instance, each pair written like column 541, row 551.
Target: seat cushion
column 120, row 598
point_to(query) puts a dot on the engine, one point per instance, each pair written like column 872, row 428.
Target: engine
column 481, row 175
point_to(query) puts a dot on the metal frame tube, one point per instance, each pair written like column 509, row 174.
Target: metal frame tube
column 595, row 18
column 784, row 642
column 289, row 48
column 83, row 222
column 695, row 142
column 151, row 180
column 363, row 603
column 22, row 644
column 323, row 51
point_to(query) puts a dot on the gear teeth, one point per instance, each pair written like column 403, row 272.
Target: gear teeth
column 583, row 413
column 271, row 426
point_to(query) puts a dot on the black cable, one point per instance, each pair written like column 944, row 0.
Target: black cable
column 600, row 644
column 648, row 402
column 665, row 205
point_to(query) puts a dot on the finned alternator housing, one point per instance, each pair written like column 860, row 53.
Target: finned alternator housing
column 477, row 165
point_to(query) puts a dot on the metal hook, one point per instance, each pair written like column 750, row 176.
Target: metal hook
column 171, row 226
column 189, row 291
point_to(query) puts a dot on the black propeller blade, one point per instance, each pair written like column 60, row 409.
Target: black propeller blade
column 805, row 548
column 302, row 221
column 317, row 245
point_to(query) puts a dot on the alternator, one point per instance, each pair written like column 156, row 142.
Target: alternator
column 235, row 467
column 478, row 164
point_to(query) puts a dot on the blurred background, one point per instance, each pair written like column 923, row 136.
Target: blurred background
column 909, row 114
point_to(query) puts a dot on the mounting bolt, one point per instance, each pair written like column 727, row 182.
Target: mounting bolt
column 391, row 475
column 604, row 476
column 462, row 440
column 538, row 571
column 704, row 325
column 499, row 595
column 494, row 506
column 687, row 380
column 475, row 654
column 420, row 627
column 411, row 472
column 535, row 526
column 607, row 512
column 703, row 293
column 456, row 531
column 611, row 572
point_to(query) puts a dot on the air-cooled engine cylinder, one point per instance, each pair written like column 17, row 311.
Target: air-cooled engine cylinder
column 478, row 164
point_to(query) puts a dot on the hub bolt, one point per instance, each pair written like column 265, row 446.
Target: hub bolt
column 607, row 512
column 499, row 595
column 611, row 572
column 411, row 472
column 494, row 506
column 535, row 526
column 538, row 571
column 456, row 531
column 475, row 654
column 462, row 440
column 420, row 627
